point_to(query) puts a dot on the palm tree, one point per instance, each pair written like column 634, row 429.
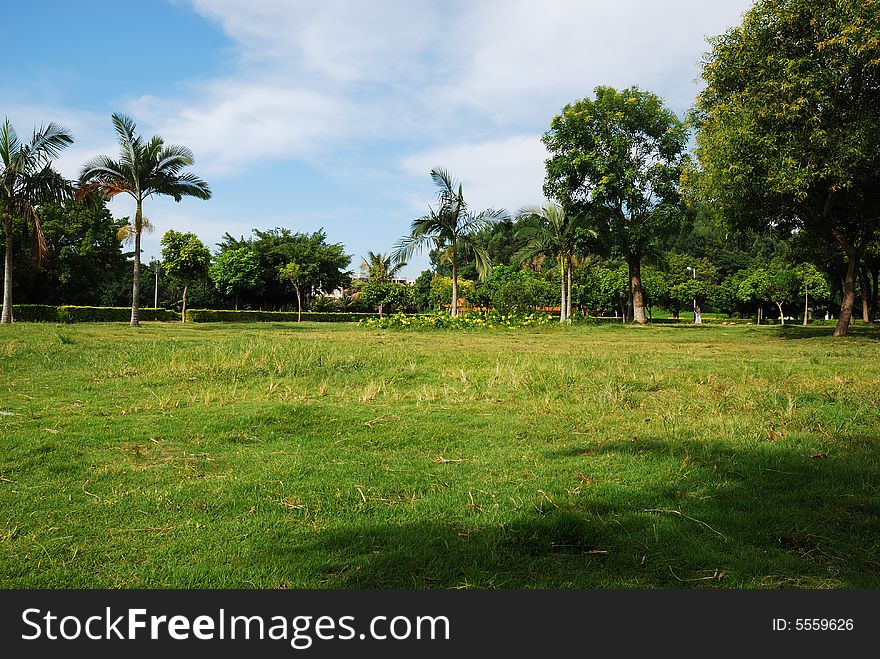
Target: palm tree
column 549, row 230
column 451, row 229
column 145, row 168
column 381, row 268
column 27, row 179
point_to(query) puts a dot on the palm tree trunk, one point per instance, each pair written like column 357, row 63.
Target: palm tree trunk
column 7, row 278
column 568, row 302
column 136, row 275
column 562, row 302
column 183, row 308
column 453, row 308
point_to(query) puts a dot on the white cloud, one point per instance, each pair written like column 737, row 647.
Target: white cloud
column 236, row 123
column 506, row 173
column 92, row 133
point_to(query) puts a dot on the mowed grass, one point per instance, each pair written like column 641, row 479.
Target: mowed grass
column 331, row 456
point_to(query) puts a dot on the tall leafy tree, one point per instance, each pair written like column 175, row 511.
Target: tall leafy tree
column 789, row 122
column 812, row 284
column 452, row 229
column 619, row 157
column 236, row 270
column 84, row 258
column 145, row 168
column 185, row 259
column 324, row 265
column 296, row 275
column 26, row 180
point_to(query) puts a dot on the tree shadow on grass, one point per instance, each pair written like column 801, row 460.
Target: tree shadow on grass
column 711, row 516
column 861, row 331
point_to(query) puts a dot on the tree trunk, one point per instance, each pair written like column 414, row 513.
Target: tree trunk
column 562, row 302
column 638, row 295
column 136, row 275
column 183, row 307
column 7, row 278
column 698, row 312
column 874, row 276
column 806, row 306
column 781, row 315
column 380, row 311
column 299, row 307
column 849, row 291
column 568, row 302
column 236, row 300
column 453, row 308
column 868, row 295
column 760, row 312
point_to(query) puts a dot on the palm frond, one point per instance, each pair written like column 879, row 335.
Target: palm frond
column 9, row 142
column 24, row 210
column 49, row 141
column 184, row 185
column 407, row 246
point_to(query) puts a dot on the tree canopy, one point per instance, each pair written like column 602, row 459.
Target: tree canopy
column 617, row 158
column 144, row 168
column 789, row 122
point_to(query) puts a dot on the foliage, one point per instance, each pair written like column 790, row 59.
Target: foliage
column 84, row 258
column 511, row 291
column 46, row 313
column 550, row 231
column 380, row 289
column 451, row 229
column 467, row 320
column 235, row 271
column 145, row 168
column 618, row 159
column 442, row 287
column 787, row 122
column 26, row 180
column 184, row 256
column 228, row 316
column 324, row 266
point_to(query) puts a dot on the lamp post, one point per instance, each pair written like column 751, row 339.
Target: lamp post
column 698, row 320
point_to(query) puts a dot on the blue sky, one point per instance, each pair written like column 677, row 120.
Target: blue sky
column 309, row 115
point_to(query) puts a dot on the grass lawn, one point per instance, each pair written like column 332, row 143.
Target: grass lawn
column 331, row 456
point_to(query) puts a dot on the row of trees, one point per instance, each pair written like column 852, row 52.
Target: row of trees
column 787, row 131
column 145, row 168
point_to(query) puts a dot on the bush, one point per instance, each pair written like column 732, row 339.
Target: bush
column 463, row 321
column 45, row 313
column 35, row 313
column 69, row 314
column 225, row 316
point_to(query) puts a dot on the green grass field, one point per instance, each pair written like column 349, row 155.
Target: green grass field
column 331, row 456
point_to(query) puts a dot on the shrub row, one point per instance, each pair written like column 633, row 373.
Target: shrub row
column 45, row 313
column 224, row 316
column 464, row 321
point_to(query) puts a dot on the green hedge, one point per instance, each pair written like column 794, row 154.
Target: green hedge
column 224, row 316
column 44, row 313
column 35, row 313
